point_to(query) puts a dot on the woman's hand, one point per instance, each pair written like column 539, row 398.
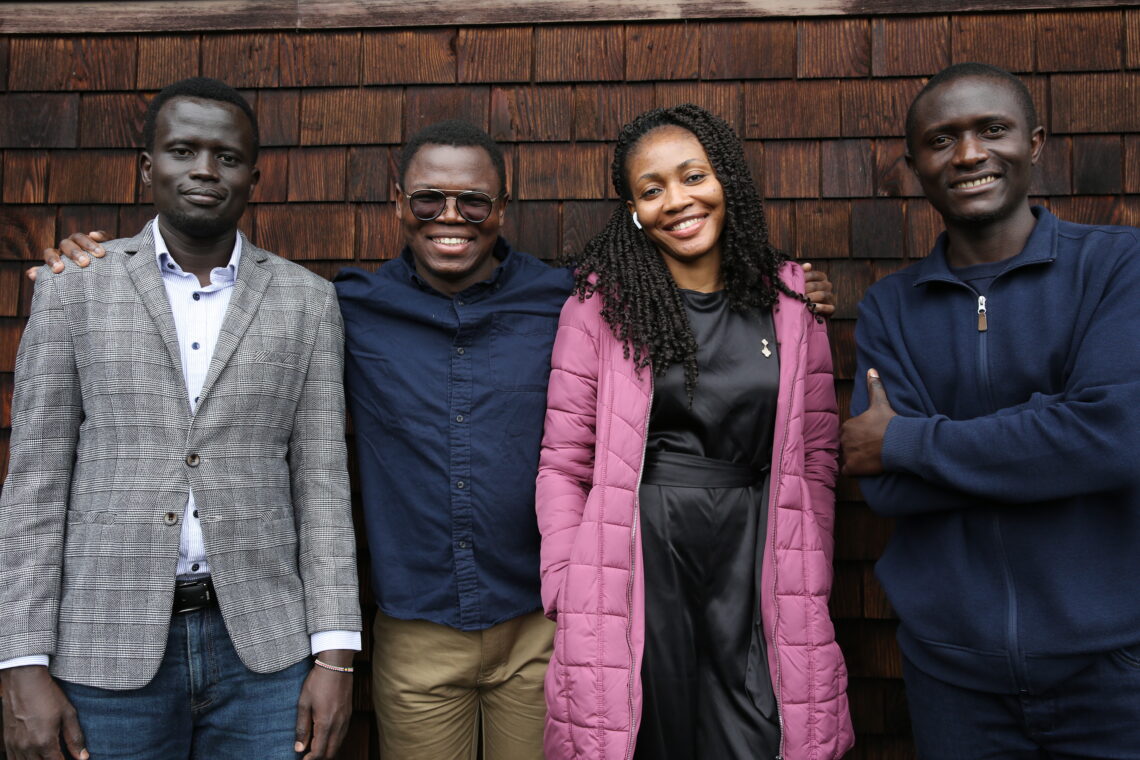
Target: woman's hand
column 819, row 291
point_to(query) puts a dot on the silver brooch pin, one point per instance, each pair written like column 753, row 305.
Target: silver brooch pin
column 766, row 351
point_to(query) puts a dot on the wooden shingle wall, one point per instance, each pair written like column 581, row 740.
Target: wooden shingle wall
column 820, row 102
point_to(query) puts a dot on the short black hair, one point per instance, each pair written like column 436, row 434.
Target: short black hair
column 458, row 134
column 972, row 70
column 202, row 88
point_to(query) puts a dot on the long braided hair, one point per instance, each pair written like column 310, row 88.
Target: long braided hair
column 640, row 300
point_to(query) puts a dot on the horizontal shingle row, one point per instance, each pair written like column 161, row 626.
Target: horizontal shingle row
column 783, row 109
column 1102, row 40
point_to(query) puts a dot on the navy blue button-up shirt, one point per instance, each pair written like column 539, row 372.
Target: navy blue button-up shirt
column 448, row 396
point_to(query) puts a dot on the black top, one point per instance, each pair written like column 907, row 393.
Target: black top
column 734, row 404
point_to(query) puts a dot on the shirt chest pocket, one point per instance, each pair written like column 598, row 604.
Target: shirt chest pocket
column 520, row 351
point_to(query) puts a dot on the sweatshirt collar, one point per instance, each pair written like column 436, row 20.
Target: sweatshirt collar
column 1040, row 248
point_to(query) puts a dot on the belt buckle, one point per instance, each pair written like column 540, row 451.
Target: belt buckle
column 193, row 596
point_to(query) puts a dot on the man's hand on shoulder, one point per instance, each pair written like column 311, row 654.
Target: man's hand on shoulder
column 37, row 715
column 325, row 706
column 77, row 247
column 819, row 291
column 861, row 439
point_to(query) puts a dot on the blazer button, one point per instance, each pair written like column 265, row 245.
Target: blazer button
column 193, row 460
column 171, row 518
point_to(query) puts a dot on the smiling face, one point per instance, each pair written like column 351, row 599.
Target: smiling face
column 679, row 201
column 974, row 150
column 452, row 253
column 200, row 169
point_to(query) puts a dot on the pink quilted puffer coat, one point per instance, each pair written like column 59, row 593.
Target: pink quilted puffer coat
column 592, row 579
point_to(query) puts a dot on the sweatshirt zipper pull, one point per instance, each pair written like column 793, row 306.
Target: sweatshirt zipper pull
column 982, row 326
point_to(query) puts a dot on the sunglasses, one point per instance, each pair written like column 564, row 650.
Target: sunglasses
column 472, row 205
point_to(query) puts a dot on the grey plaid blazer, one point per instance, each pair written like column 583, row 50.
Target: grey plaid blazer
column 104, row 448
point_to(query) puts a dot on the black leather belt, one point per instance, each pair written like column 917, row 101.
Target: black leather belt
column 194, row 595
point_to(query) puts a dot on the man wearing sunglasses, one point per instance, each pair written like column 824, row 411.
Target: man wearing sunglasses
column 447, row 357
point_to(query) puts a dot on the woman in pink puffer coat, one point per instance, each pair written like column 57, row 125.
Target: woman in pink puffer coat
column 685, row 484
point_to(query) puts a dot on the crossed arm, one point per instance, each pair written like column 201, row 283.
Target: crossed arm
column 1049, row 447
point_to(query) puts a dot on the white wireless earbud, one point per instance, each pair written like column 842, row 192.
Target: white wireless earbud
column 636, row 221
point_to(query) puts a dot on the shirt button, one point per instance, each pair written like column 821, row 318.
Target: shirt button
column 170, row 518
column 462, row 544
column 194, row 346
column 459, row 351
column 193, row 460
column 170, row 266
column 461, row 303
column 461, row 485
column 194, row 566
column 195, row 513
column 197, row 296
column 459, row 418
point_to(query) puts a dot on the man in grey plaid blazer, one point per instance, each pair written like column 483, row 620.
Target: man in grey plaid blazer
column 175, row 531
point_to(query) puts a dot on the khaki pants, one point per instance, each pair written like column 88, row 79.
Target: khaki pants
column 432, row 684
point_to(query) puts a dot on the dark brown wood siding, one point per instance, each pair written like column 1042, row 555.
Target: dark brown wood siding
column 820, row 101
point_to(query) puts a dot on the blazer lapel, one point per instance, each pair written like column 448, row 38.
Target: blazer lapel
column 143, row 270
column 249, row 287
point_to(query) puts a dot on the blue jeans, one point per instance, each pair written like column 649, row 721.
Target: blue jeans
column 1092, row 714
column 203, row 704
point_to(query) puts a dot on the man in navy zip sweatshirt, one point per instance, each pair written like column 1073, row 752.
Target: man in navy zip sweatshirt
column 1000, row 425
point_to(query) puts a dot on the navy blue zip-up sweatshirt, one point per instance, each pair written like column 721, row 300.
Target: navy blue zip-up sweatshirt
column 1014, row 464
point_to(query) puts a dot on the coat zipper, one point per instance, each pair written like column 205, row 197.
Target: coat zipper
column 1019, row 676
column 772, row 518
column 984, row 356
column 632, row 569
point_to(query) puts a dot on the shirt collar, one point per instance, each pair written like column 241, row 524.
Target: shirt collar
column 219, row 275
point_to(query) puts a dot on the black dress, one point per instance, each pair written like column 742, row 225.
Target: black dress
column 703, row 513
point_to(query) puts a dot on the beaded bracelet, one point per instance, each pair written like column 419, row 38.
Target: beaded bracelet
column 335, row 668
